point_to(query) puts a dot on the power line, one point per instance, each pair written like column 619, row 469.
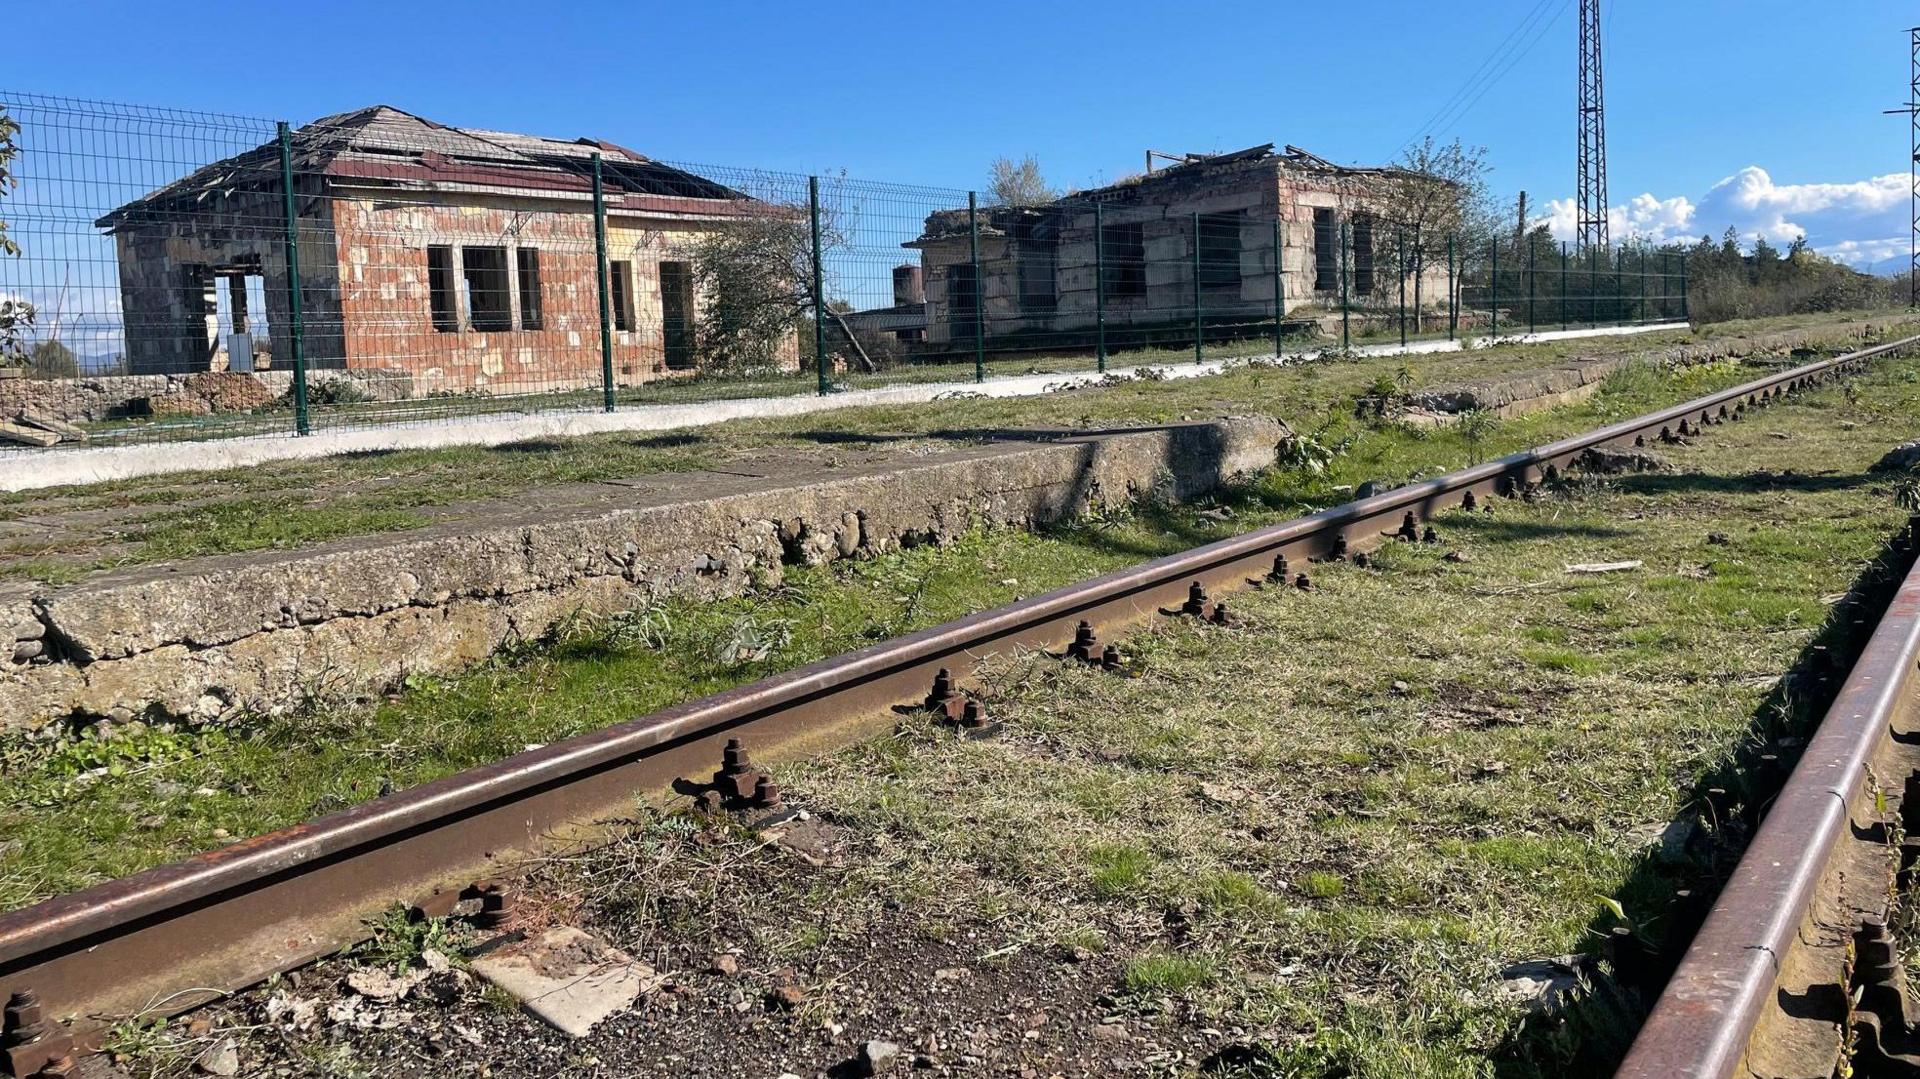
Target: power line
column 1491, row 70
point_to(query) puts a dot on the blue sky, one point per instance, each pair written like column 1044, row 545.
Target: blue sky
column 1763, row 114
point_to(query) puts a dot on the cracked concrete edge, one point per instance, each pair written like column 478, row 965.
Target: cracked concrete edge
column 266, row 632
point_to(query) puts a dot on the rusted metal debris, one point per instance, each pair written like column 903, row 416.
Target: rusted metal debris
column 187, row 932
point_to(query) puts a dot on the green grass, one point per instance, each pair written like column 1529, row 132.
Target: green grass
column 1118, row 868
column 1390, row 847
column 1262, row 825
column 1166, row 973
column 69, row 828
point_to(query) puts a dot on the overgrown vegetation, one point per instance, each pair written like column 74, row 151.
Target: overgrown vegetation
column 1730, row 283
column 16, row 313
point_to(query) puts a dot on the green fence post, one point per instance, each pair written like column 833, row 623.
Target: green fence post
column 1493, row 289
column 606, row 298
column 1279, row 288
column 302, row 422
column 1400, row 267
column 1419, row 268
column 1686, row 309
column 1199, row 338
column 1533, row 325
column 1099, row 287
column 1640, row 312
column 1453, row 296
column 1593, row 288
column 979, row 290
column 823, row 374
column 1346, row 331
column 1619, row 288
column 1564, row 316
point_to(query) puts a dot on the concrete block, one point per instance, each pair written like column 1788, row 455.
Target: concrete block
column 568, row 977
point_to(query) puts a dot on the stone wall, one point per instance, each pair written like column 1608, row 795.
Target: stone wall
column 262, row 632
column 108, row 397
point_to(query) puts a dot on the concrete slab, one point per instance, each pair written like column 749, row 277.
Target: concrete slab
column 568, row 977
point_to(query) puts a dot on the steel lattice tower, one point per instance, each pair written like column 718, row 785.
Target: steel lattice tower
column 1913, row 168
column 1593, row 133
column 1912, row 111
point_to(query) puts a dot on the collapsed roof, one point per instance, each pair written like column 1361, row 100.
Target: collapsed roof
column 384, row 147
column 996, row 220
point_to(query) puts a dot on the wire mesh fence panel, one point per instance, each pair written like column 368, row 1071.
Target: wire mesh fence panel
column 134, row 309
column 1512, row 289
column 196, row 275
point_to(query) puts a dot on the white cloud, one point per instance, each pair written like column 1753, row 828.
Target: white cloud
column 1860, row 222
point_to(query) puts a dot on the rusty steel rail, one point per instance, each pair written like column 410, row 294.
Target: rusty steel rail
column 175, row 936
column 1782, row 975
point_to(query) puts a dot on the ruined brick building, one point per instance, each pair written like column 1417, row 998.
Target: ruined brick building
column 449, row 259
column 1038, row 269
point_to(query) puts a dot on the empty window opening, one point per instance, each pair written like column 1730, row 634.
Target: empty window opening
column 489, row 300
column 1123, row 260
column 1326, row 251
column 528, row 259
column 963, row 292
column 1362, row 254
column 676, row 313
column 1036, row 252
column 620, row 278
column 1220, row 251
column 440, row 292
column 240, row 305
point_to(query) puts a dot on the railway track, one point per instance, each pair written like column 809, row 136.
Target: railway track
column 1794, row 972
column 171, row 938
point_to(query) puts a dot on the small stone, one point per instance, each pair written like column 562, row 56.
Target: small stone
column 199, row 1027
column 1455, row 556
column 787, row 996
column 1542, row 984
column 1719, row 539
column 724, row 965
column 1111, row 1032
column 876, row 1057
column 1401, row 687
column 376, row 984
column 221, row 1058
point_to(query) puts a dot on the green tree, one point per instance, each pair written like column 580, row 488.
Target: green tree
column 51, row 359
column 1432, row 191
column 754, row 281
